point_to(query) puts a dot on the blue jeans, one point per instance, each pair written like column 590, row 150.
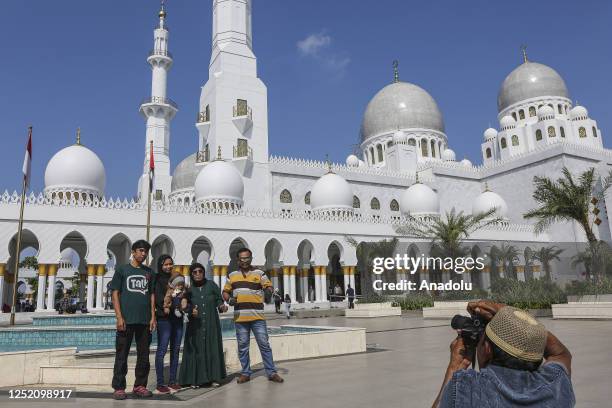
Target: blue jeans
column 243, row 336
column 169, row 330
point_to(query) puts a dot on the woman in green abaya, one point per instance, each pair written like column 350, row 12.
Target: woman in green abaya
column 203, row 362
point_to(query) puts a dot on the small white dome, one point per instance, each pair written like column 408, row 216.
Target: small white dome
column 361, row 163
column 448, row 155
column 489, row 134
column 466, row 163
column 507, row 122
column 352, row 161
column 331, row 192
column 546, row 112
column 75, row 169
column 399, row 137
column 487, row 200
column 579, row 112
column 219, row 183
column 419, row 199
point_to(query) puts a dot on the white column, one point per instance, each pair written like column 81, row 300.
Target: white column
column 91, row 271
column 223, row 277
column 286, row 287
column 2, row 288
column 304, row 283
column 51, row 287
column 347, row 278
column 42, row 285
column 292, row 284
column 352, row 279
column 100, row 287
column 274, row 277
column 324, row 288
column 318, row 284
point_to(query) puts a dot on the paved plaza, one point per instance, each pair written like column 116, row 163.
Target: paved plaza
column 403, row 368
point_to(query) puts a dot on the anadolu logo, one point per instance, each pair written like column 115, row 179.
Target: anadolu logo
column 137, row 283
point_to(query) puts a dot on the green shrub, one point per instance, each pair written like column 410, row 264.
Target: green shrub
column 374, row 298
column 583, row 288
column 414, row 301
column 533, row 294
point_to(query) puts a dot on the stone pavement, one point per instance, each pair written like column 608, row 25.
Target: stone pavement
column 404, row 368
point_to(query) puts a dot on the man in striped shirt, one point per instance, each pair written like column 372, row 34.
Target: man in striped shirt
column 244, row 290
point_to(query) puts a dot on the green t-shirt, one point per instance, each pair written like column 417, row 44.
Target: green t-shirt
column 135, row 286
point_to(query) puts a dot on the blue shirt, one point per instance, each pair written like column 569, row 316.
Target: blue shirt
column 499, row 387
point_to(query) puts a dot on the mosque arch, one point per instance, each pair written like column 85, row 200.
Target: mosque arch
column 202, row 251
column 488, row 153
column 30, row 246
column 236, row 244
column 356, row 202
column 307, row 198
column 433, row 149
column 394, row 205
column 75, row 241
column 373, row 161
column 162, row 245
column 559, row 108
column 532, row 111
column 521, row 114
column 119, row 250
column 273, row 252
column 514, row 115
column 538, row 135
column 334, row 268
column 285, row 197
column 503, row 143
column 375, row 204
column 379, row 150
column 424, row 148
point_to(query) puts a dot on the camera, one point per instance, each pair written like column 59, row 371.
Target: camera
column 471, row 329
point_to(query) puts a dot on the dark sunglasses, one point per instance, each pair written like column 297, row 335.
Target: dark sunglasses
column 197, row 271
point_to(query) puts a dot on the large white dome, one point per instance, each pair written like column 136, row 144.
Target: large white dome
column 219, row 185
column 488, row 200
column 400, row 105
column 75, row 169
column 530, row 80
column 419, row 199
column 331, row 192
column 185, row 174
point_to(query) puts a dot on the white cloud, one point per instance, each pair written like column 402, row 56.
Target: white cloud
column 319, row 47
column 311, row 45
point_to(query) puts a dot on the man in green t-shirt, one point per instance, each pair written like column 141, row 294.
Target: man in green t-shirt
column 134, row 303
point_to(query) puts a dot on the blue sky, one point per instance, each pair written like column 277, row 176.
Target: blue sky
column 69, row 63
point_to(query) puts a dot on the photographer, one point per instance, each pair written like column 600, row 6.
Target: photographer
column 510, row 352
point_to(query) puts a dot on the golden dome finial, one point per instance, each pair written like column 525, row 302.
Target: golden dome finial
column 328, row 164
column 524, row 51
column 162, row 10
column 218, row 152
column 395, row 71
column 78, row 136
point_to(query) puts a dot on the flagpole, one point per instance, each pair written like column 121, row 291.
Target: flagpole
column 18, row 247
column 149, row 202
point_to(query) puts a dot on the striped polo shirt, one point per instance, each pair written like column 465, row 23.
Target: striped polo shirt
column 248, row 291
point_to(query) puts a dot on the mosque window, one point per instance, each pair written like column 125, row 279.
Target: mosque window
column 521, row 114
column 424, row 148
column 389, row 143
column 433, row 149
column 241, row 107
column 394, row 206
column 375, row 204
column 158, row 195
column 515, row 140
column 551, row 131
column 379, row 149
column 285, row 197
column 53, row 196
column 559, row 108
column 538, row 134
column 186, row 200
column 594, row 131
column 68, row 195
column 356, row 202
column 412, row 142
column 514, row 115
column 581, row 132
column 488, row 152
column 532, row 111
column 551, row 105
column 372, row 155
column 60, row 195
column 307, row 198
column 562, row 131
column 504, row 144
column 242, row 148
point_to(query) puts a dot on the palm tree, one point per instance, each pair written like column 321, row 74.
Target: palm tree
column 366, row 252
column 596, row 259
column 566, row 199
column 507, row 254
column 546, row 255
column 529, row 258
column 448, row 234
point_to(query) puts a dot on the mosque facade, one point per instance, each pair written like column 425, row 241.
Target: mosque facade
column 295, row 214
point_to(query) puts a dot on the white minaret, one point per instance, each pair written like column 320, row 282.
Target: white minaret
column 234, row 102
column 158, row 111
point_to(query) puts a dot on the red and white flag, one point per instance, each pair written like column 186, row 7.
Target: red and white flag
column 27, row 160
column 151, row 169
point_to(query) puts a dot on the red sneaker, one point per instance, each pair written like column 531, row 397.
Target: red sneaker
column 175, row 387
column 141, row 392
column 119, row 395
column 162, row 389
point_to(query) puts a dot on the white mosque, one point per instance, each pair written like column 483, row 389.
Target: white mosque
column 296, row 214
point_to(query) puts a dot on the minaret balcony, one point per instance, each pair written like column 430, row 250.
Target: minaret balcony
column 242, row 118
column 243, row 152
column 203, row 156
column 203, row 124
column 160, row 53
column 159, row 100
